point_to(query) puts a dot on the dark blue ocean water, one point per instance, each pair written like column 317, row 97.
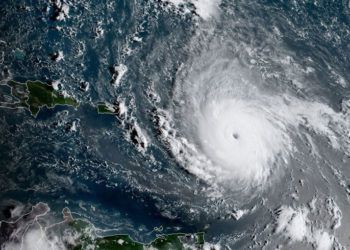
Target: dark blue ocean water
column 96, row 171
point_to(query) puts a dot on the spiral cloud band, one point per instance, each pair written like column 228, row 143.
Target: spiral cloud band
column 231, row 128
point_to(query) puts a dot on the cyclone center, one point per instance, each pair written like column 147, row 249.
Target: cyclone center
column 240, row 137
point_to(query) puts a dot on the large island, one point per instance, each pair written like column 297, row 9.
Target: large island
column 33, row 96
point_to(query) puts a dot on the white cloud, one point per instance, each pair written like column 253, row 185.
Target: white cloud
column 36, row 239
column 295, row 225
column 323, row 240
column 204, row 8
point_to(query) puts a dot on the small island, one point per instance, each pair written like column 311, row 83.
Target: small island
column 116, row 108
column 106, row 108
column 34, row 95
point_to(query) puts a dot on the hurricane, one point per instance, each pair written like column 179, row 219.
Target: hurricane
column 239, row 131
column 175, row 124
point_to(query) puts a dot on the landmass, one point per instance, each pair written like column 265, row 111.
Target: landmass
column 33, row 96
column 117, row 108
column 78, row 234
column 179, row 241
column 106, row 108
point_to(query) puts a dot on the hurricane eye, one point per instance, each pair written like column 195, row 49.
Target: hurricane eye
column 235, row 136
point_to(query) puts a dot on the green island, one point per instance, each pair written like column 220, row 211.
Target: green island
column 34, row 95
column 87, row 239
column 106, row 108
